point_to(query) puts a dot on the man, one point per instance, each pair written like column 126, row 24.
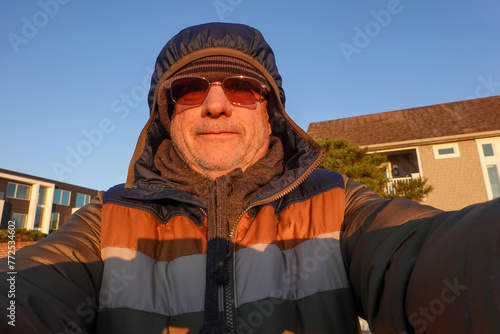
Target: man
column 225, row 226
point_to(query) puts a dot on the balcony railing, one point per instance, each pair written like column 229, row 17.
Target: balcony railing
column 389, row 186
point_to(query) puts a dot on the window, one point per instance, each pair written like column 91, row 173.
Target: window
column 41, row 195
column 446, row 151
column 54, row 221
column 488, row 150
column 40, row 208
column 494, row 180
column 11, row 189
column 19, row 219
column 38, row 216
column 61, row 196
column 81, row 200
column 489, row 155
column 19, row 191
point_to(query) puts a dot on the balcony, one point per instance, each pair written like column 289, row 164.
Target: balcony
column 389, row 186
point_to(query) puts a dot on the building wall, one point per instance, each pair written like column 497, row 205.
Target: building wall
column 65, row 211
column 6, row 251
column 34, row 205
column 457, row 181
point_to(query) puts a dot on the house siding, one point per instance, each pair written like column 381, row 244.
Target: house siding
column 457, row 182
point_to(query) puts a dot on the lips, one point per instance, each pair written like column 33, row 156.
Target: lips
column 217, row 133
column 217, row 129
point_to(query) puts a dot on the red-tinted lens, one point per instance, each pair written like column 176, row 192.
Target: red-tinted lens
column 242, row 90
column 189, row 91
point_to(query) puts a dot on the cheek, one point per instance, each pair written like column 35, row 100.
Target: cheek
column 176, row 129
column 182, row 121
column 263, row 125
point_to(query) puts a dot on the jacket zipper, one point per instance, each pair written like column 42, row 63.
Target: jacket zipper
column 283, row 193
column 228, row 297
column 229, row 289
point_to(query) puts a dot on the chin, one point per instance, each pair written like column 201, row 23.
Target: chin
column 219, row 164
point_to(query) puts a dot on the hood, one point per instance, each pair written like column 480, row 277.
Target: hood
column 301, row 153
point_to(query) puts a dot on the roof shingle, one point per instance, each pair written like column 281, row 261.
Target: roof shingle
column 440, row 120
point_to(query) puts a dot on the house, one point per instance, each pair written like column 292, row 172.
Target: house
column 456, row 146
column 36, row 203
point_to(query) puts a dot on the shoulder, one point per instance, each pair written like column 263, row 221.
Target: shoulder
column 324, row 179
column 320, row 182
column 114, row 193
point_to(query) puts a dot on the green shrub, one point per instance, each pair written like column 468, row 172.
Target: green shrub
column 21, row 234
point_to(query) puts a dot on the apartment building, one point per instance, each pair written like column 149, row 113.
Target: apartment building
column 37, row 203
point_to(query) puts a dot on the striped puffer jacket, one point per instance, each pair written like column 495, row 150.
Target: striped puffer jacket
column 311, row 252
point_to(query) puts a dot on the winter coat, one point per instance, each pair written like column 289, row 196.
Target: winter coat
column 311, row 252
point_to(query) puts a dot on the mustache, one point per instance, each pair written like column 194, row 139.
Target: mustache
column 216, row 126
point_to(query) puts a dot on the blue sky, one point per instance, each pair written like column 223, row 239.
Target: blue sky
column 74, row 73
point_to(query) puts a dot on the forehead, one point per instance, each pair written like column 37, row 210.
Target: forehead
column 218, row 68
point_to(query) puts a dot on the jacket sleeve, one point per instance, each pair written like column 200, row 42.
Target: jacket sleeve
column 54, row 284
column 416, row 269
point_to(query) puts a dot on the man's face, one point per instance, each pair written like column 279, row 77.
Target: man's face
column 216, row 137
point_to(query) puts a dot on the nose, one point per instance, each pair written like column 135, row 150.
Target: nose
column 216, row 104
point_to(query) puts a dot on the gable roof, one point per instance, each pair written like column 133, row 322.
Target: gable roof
column 471, row 118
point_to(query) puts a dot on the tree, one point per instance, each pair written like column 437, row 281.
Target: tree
column 355, row 163
column 414, row 189
column 366, row 168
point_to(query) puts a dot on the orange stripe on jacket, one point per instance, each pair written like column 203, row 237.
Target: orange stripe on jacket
column 299, row 222
column 141, row 231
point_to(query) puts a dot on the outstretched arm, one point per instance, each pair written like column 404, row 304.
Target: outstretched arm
column 55, row 284
column 416, row 269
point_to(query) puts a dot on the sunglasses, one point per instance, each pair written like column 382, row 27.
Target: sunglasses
column 239, row 90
